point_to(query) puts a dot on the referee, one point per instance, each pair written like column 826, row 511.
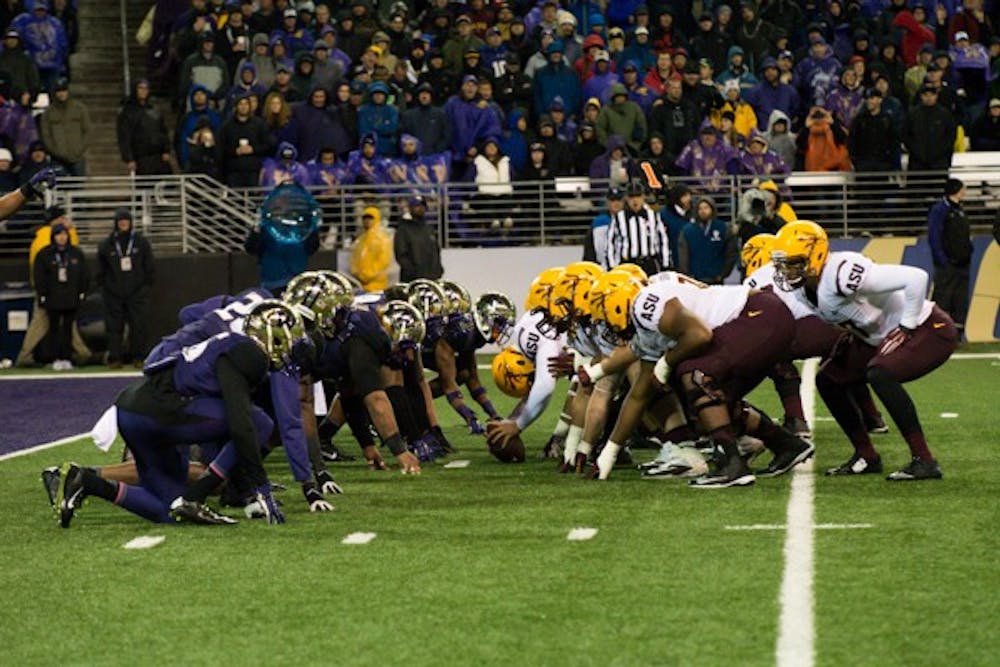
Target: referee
column 637, row 235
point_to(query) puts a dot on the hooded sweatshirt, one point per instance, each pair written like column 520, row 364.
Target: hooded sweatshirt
column 372, row 254
column 189, row 121
column 707, row 249
column 278, row 169
column 624, row 118
column 124, row 262
column 784, row 143
column 380, row 119
column 65, row 127
column 263, row 65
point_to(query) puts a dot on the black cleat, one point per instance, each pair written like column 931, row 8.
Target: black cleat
column 69, row 494
column 50, row 480
column 876, row 425
column 800, row 427
column 192, row 512
column 734, row 472
column 857, row 465
column 333, row 454
column 552, row 449
column 624, row 457
column 918, row 469
column 787, row 459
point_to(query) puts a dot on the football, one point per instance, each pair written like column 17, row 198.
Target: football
column 512, row 453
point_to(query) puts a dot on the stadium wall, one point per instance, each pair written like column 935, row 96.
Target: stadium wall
column 183, row 279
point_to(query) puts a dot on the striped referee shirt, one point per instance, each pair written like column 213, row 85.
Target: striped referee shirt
column 633, row 237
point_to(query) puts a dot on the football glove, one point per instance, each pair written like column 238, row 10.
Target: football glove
column 317, row 503
column 326, row 482
column 606, row 460
column 445, row 446
column 475, row 428
column 38, row 184
column 268, row 505
column 426, row 448
column 561, row 365
column 896, row 338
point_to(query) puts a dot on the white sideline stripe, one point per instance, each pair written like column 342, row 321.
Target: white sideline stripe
column 581, row 534
column 47, row 445
column 818, row 526
column 796, row 625
column 949, row 415
column 460, row 463
column 358, row 538
column 144, row 542
column 72, row 376
column 976, row 355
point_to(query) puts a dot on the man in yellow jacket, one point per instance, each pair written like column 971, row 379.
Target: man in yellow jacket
column 372, row 253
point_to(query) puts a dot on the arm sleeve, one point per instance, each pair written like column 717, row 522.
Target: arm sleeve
column 364, row 367
column 402, row 251
column 543, row 386
column 288, row 415
column 147, row 263
column 885, row 278
column 237, row 371
column 661, row 229
column 935, row 229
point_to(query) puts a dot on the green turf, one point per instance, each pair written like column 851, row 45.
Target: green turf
column 471, row 566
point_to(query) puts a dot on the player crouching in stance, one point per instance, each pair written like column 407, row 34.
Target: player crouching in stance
column 711, row 344
column 897, row 335
column 205, row 395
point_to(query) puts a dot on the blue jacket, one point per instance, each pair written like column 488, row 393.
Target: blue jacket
column 675, row 223
column 312, row 128
column 765, row 98
column 472, row 121
column 44, row 38
column 554, row 81
column 705, row 250
column 189, row 122
column 383, row 121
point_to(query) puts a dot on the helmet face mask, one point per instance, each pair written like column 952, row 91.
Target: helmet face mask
column 429, row 300
column 278, row 330
column 403, row 323
column 789, row 272
column 494, row 315
column 800, row 253
column 610, row 301
column 319, row 300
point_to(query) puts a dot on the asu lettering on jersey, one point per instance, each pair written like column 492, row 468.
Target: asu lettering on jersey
column 539, row 348
column 852, row 294
column 713, row 304
column 763, row 279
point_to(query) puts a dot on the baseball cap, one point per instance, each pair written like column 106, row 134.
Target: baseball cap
column 537, row 146
column 995, row 102
column 872, row 92
column 786, row 54
column 602, row 55
column 12, row 32
column 616, row 32
column 5, row 155
column 290, row 13
column 615, row 193
column 642, row 30
column 960, row 35
column 593, row 102
column 416, row 200
column 469, row 77
column 557, row 104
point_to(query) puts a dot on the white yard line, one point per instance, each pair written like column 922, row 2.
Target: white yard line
column 47, row 445
column 796, row 625
column 70, row 376
column 818, row 526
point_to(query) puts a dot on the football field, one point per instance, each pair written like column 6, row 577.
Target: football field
column 472, row 565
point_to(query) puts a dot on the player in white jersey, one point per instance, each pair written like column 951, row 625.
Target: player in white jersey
column 897, row 336
column 813, row 338
column 710, row 343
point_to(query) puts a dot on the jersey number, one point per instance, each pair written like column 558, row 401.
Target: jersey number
column 235, row 313
column 192, row 352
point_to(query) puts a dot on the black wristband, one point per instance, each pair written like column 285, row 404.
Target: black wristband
column 395, row 444
column 28, row 191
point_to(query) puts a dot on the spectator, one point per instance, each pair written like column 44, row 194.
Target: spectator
column 757, row 159
column 675, row 118
column 675, row 215
column 346, row 107
column 846, row 99
column 973, row 21
column 315, row 126
column 707, row 247
column 427, row 122
column 914, row 76
column 891, row 105
column 62, row 10
column 637, row 92
column 929, row 135
column 61, row 283
column 45, row 41
column 416, row 250
column 636, row 234
column 744, row 118
column 951, row 249
column 351, row 41
column 656, row 79
column 777, row 211
column 283, row 85
column 244, row 139
column 514, row 143
column 565, row 127
column 471, row 123
column 559, row 157
column 916, row 34
column 284, row 167
column 985, row 132
column 779, row 137
column 484, row 88
column 326, row 72
column 372, row 253
column 586, row 148
column 198, row 105
column 972, row 64
column 205, row 68
column 512, row 88
column 708, row 157
column 8, row 179
column 666, row 36
column 566, row 33
column 460, row 43
column 771, row 94
column 888, row 65
column 595, row 245
column 203, row 151
column 142, row 134
column 493, row 170
column 640, row 50
column 873, row 142
column 22, row 73
column 296, row 38
column 125, row 274
column 379, row 118
column 816, row 73
column 737, row 70
column 233, row 40
column 709, row 43
column 601, row 79
column 785, row 15
column 616, row 48
column 824, row 143
column 364, row 165
column 260, row 58
column 623, row 118
column 584, row 64
column 537, row 168
column 246, row 83
column 302, row 77
column 539, row 57
column 727, row 131
column 754, row 35
column 65, row 129
column 277, row 114
column 556, row 80
column 266, row 17
column 615, row 164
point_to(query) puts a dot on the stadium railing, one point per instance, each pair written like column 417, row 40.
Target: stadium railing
column 195, row 213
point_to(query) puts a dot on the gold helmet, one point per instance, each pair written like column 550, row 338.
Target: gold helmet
column 277, row 328
column 756, row 252
column 402, row 322
column 633, row 270
column 457, row 302
column 570, row 297
column 317, row 299
column 801, row 249
column 611, row 300
column 513, row 372
column 494, row 315
column 541, row 289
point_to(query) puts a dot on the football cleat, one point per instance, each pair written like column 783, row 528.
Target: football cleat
column 857, row 465
column 681, row 462
column 193, row 512
column 552, row 449
column 50, row 480
column 918, row 469
column 788, row 458
column 798, row 426
column 70, row 494
column 333, row 454
column 749, row 447
column 734, row 472
column 876, row 425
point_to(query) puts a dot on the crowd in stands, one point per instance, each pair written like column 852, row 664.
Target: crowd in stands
column 380, row 92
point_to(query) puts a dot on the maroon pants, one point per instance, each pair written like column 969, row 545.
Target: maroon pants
column 813, row 338
column 931, row 344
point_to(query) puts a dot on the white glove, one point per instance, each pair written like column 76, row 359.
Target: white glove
column 606, row 459
column 661, row 371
